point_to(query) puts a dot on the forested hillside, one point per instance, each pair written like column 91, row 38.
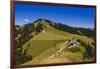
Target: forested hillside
column 54, row 34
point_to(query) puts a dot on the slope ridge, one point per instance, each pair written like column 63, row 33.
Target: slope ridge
column 48, row 36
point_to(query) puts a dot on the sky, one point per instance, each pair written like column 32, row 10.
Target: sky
column 72, row 16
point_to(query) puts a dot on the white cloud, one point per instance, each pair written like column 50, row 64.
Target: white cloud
column 26, row 20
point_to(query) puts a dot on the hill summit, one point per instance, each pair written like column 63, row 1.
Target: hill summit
column 42, row 39
column 41, row 23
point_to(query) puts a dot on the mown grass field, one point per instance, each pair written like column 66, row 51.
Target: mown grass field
column 67, row 56
column 47, row 52
column 40, row 46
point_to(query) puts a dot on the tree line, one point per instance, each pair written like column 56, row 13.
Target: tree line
column 22, row 35
column 74, row 30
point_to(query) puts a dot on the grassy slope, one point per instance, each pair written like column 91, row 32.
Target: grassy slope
column 67, row 35
column 45, row 54
column 48, row 36
column 47, row 43
column 38, row 46
column 66, row 56
column 42, row 42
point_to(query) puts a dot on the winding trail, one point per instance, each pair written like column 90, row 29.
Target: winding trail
column 59, row 51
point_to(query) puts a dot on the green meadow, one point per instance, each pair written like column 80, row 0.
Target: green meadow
column 51, row 40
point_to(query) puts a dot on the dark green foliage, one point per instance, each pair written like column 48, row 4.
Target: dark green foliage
column 88, row 54
column 23, row 35
column 39, row 27
column 85, row 31
column 89, row 49
column 22, row 57
column 27, row 31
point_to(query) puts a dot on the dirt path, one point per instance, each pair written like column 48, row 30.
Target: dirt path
column 59, row 51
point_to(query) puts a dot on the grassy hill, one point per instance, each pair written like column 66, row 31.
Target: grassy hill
column 44, row 42
column 48, row 36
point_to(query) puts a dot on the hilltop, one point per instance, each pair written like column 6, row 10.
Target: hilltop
column 37, row 41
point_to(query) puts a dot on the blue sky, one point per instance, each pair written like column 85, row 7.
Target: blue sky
column 72, row 16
